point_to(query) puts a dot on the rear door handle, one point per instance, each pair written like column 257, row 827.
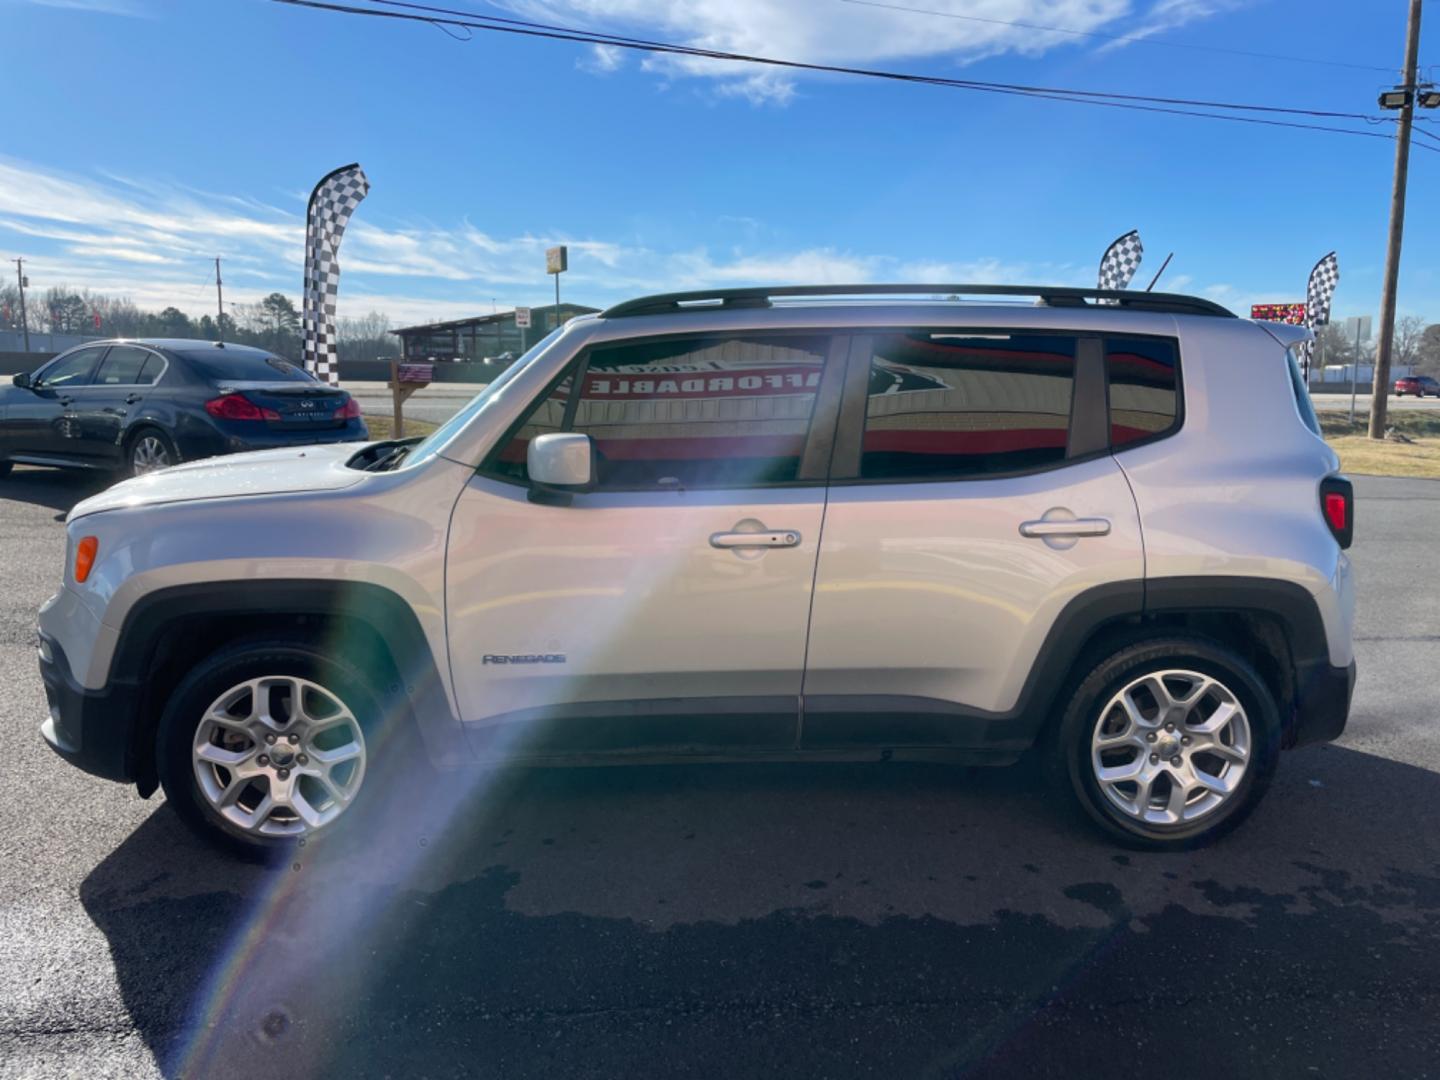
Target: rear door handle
column 1070, row 527
column 770, row 538
column 130, row 399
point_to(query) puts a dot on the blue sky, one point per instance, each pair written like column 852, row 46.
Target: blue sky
column 156, row 134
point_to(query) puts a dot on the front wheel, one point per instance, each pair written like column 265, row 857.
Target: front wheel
column 265, row 745
column 1169, row 744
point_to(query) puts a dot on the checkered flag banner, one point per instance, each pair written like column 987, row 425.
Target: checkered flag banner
column 1323, row 279
column 331, row 204
column 1121, row 260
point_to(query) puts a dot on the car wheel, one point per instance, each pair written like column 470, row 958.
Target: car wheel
column 150, row 449
column 6, row 467
column 1168, row 744
column 266, row 745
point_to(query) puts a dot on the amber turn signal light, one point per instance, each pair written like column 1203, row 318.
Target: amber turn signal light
column 85, row 556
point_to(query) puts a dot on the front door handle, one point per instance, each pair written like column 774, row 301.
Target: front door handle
column 1066, row 527
column 769, row 538
column 66, row 401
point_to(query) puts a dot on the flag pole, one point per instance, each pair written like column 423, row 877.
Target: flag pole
column 1156, row 278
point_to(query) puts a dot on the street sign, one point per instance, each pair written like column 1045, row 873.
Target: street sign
column 1357, row 328
column 557, row 260
column 522, row 318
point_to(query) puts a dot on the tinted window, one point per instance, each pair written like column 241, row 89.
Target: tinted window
column 235, row 365
column 946, row 404
column 1144, row 388
column 1302, row 393
column 72, row 370
column 694, row 412
column 123, row 366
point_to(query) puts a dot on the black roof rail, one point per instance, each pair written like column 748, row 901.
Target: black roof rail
column 1049, row 295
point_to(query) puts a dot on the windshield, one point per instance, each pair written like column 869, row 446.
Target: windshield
column 441, row 435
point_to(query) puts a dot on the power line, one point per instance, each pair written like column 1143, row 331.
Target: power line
column 520, row 26
column 450, row 17
column 1129, row 39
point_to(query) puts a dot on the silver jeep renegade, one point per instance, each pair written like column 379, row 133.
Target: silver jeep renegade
column 837, row 523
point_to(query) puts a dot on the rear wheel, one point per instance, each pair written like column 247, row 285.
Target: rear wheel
column 1169, row 744
column 6, row 467
column 149, row 449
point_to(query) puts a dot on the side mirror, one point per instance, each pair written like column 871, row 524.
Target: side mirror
column 22, row 380
column 559, row 463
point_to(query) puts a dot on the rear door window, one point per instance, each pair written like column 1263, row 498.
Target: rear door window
column 953, row 404
column 123, row 366
column 1144, row 376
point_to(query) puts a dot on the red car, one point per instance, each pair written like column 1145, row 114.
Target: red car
column 1419, row 385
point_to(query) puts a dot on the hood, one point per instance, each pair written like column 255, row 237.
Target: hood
column 262, row 472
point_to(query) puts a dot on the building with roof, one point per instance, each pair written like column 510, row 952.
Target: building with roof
column 482, row 337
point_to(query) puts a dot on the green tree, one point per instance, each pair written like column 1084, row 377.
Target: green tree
column 281, row 320
column 172, row 322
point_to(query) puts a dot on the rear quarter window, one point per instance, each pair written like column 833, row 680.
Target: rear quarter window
column 1144, row 376
column 1303, row 404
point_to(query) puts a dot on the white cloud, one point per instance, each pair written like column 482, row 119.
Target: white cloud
column 1170, row 15
column 130, row 8
column 852, row 33
column 155, row 244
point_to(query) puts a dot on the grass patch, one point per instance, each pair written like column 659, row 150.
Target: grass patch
column 379, row 424
column 1365, row 456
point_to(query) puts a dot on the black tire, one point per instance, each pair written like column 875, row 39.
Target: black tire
column 138, row 440
column 1069, row 752
column 229, row 667
column 6, row 468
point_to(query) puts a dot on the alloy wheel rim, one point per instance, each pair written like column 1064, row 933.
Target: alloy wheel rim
column 1171, row 747
column 278, row 755
column 149, row 454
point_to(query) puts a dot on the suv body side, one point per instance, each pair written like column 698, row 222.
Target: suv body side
column 433, row 536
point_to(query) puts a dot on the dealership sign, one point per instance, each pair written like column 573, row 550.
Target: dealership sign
column 1294, row 314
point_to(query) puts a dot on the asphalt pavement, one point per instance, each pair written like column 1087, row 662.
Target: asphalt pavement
column 733, row 921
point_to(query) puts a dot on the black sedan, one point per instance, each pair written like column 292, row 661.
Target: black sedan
column 137, row 406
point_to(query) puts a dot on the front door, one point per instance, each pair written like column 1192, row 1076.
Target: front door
column 43, row 421
column 974, row 497
column 667, row 608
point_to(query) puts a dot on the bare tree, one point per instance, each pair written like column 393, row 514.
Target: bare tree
column 1409, row 331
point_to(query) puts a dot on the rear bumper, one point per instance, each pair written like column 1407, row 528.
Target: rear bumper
column 1322, row 703
column 91, row 729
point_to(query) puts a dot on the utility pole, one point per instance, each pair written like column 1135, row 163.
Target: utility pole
column 1380, row 388
column 24, row 323
column 219, row 307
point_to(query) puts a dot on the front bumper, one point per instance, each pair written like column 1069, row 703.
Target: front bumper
column 91, row 729
column 1322, row 703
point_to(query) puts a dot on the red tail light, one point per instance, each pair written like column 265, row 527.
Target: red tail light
column 238, row 407
column 349, row 411
column 1337, row 505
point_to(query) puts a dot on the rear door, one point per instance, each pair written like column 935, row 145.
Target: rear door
column 973, row 497
column 124, row 377
column 666, row 609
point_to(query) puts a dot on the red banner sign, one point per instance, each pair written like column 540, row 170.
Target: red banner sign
column 1294, row 314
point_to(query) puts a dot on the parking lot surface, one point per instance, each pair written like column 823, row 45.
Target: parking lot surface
column 875, row 920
